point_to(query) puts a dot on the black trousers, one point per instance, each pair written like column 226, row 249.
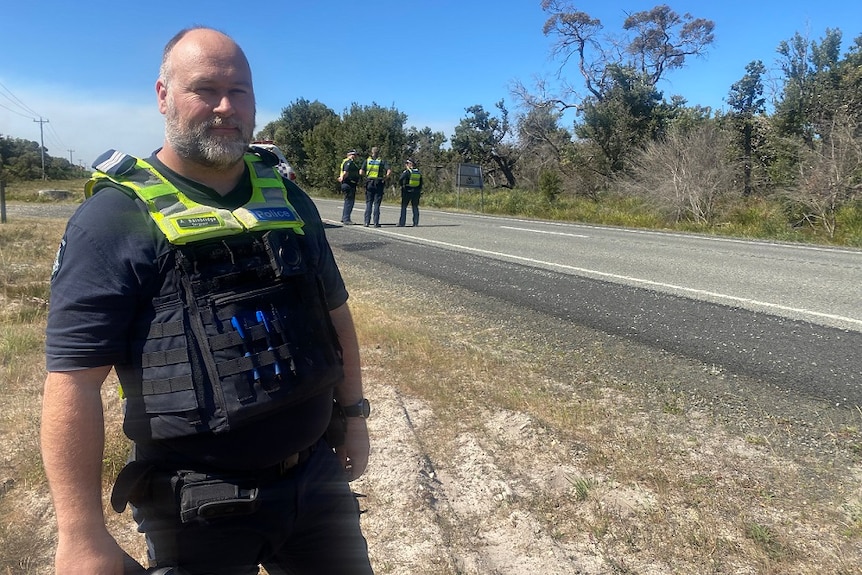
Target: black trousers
column 374, row 190
column 410, row 197
column 303, row 523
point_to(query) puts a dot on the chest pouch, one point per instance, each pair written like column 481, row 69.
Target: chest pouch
column 258, row 335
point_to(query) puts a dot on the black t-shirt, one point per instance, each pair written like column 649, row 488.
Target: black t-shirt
column 106, row 272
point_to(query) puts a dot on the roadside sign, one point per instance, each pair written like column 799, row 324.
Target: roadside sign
column 469, row 176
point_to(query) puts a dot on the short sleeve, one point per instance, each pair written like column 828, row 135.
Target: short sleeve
column 333, row 283
column 104, row 266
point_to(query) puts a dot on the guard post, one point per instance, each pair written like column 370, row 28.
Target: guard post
column 2, row 201
column 469, row 176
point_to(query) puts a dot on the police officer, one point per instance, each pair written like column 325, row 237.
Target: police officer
column 411, row 189
column 349, row 178
column 376, row 172
column 207, row 283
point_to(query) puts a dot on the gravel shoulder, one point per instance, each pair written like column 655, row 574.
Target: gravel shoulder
column 677, row 466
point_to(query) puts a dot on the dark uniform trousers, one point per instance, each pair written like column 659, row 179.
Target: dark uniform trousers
column 303, row 521
column 374, row 190
column 409, row 196
column 348, row 189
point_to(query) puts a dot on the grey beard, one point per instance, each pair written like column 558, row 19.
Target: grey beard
column 194, row 144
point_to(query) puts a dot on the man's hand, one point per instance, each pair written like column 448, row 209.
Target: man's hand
column 92, row 553
column 354, row 453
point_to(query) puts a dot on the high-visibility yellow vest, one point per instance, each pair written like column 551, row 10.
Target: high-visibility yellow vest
column 415, row 178
column 372, row 167
column 183, row 220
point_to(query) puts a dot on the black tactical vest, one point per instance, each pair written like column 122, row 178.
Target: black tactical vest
column 239, row 332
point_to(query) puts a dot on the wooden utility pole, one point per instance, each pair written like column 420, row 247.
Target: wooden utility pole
column 42, row 143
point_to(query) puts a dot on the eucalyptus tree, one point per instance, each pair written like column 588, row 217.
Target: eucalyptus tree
column 366, row 126
column 811, row 89
column 324, row 149
column 290, row 129
column 655, row 43
column 747, row 101
column 481, row 138
column 630, row 113
column 544, row 145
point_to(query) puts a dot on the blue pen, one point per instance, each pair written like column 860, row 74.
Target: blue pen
column 236, row 325
column 261, row 318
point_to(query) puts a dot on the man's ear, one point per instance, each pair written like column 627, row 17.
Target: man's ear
column 162, row 96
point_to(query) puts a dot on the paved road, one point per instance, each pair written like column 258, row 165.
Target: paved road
column 787, row 314
column 816, row 284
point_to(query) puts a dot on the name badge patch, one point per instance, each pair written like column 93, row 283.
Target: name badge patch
column 197, row 222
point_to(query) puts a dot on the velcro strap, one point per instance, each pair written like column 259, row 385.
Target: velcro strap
column 167, row 357
column 160, row 386
column 169, row 329
column 258, row 360
column 231, row 338
column 225, row 340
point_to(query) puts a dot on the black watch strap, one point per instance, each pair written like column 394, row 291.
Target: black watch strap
column 361, row 409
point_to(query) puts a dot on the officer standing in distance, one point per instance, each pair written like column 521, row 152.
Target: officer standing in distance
column 207, row 283
column 349, row 178
column 411, row 191
column 376, row 171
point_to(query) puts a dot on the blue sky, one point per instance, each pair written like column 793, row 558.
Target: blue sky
column 89, row 68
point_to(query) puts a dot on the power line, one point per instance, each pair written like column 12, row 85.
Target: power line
column 55, row 136
column 16, row 101
column 16, row 112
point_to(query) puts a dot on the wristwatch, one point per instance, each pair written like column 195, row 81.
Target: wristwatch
column 361, row 409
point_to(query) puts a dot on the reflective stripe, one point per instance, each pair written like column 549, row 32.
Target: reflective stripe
column 183, row 220
column 373, row 167
column 415, row 178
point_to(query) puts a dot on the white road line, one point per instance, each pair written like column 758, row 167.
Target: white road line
column 544, row 232
column 634, row 280
column 715, row 295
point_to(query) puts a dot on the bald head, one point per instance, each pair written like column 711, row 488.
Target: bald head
column 205, row 92
column 196, row 43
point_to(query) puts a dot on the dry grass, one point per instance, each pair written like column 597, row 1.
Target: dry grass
column 29, row 191
column 655, row 482
column 27, row 250
column 599, row 445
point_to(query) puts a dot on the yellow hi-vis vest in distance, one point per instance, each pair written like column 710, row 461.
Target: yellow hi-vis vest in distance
column 373, row 168
column 415, row 178
column 183, row 220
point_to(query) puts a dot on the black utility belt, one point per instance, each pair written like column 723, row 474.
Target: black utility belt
column 200, row 494
column 271, row 473
column 224, row 494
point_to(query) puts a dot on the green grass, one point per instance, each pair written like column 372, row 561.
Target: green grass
column 754, row 218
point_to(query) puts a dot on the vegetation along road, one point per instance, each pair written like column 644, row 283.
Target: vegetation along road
column 787, row 314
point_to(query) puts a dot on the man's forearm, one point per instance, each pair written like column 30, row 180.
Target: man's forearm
column 350, row 390
column 354, row 452
column 72, row 440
